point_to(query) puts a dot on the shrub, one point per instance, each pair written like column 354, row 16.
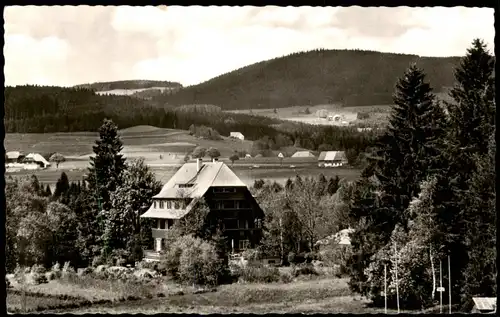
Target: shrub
column 259, row 274
column 291, row 257
column 309, row 257
column 258, row 184
column 97, row 260
column 304, row 269
column 362, row 115
column 56, row 267
column 198, row 262
column 286, row 278
column 7, row 283
column 51, row 275
column 39, row 278
column 37, row 268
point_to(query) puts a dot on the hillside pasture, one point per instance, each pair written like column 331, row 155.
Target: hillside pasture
column 139, row 140
column 378, row 114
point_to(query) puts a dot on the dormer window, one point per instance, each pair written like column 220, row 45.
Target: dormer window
column 154, row 204
column 176, row 204
column 162, row 204
column 169, row 204
column 185, row 185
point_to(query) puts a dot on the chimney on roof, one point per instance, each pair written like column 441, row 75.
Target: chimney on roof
column 198, row 164
column 214, row 160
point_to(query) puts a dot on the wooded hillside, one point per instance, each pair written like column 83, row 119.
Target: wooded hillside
column 348, row 77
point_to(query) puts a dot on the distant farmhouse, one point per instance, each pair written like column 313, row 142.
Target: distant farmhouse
column 303, row 154
column 37, row 159
column 13, row 157
column 15, row 161
column 232, row 206
column 332, row 159
column 237, row 135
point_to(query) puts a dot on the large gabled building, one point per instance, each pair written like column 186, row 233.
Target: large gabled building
column 231, row 205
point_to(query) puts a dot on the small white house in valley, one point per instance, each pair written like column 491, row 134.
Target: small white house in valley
column 332, row 159
column 237, row 135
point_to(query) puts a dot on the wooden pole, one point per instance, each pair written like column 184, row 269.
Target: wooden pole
column 440, row 285
column 397, row 282
column 449, row 285
column 385, row 287
column 281, row 241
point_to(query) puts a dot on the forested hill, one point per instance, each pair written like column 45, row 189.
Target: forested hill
column 349, row 77
column 129, row 84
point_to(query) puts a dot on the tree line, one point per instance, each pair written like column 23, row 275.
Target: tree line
column 92, row 222
column 428, row 192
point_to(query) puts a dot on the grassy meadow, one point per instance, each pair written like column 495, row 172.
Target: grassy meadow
column 164, row 151
column 320, row 294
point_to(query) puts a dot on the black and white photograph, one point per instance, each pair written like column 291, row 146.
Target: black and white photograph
column 249, row 159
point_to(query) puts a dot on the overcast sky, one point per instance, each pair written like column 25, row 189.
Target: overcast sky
column 51, row 45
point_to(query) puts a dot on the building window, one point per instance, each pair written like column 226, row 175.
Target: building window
column 170, row 223
column 228, row 204
column 162, row 204
column 169, row 204
column 243, row 244
column 243, row 224
column 176, row 204
column 243, row 204
column 162, row 223
column 185, row 185
column 231, row 224
column 154, row 204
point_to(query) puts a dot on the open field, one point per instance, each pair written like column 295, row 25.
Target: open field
column 378, row 114
column 316, row 295
column 138, row 141
column 164, row 151
column 272, row 172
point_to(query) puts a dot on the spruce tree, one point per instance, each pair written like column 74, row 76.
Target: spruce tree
column 481, row 271
column 107, row 165
column 48, row 192
column 411, row 141
column 62, row 186
column 404, row 158
column 470, row 125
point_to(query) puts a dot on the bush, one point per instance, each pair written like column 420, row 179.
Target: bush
column 309, row 257
column 305, row 269
column 37, row 268
column 7, row 283
column 39, row 278
column 286, row 278
column 97, row 260
column 258, row 184
column 259, row 274
column 291, row 257
column 199, row 262
column 362, row 115
column 192, row 260
column 51, row 275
